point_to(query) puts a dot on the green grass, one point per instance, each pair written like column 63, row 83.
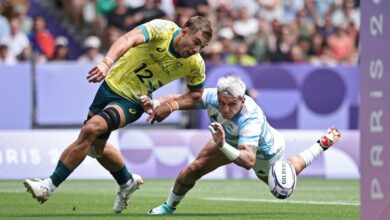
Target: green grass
column 210, row 199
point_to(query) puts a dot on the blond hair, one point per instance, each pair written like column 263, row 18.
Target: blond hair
column 231, row 85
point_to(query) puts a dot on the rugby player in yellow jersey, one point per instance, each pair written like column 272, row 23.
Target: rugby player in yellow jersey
column 146, row 58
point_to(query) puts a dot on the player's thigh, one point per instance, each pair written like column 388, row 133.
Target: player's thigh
column 263, row 164
column 129, row 111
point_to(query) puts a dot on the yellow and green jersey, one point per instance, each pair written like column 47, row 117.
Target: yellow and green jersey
column 149, row 66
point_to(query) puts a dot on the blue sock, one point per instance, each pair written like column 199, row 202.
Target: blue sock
column 60, row 173
column 122, row 176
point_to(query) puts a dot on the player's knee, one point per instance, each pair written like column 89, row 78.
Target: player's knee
column 90, row 129
column 94, row 153
column 112, row 118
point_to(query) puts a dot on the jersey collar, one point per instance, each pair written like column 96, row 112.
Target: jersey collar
column 171, row 49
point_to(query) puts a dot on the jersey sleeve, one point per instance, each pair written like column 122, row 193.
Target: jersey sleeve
column 197, row 75
column 157, row 29
column 207, row 97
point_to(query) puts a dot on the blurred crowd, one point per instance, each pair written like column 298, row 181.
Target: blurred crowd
column 246, row 32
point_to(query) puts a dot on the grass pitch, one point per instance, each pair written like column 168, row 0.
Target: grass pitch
column 210, row 199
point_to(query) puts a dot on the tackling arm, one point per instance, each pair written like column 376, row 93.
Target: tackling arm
column 188, row 100
column 171, row 103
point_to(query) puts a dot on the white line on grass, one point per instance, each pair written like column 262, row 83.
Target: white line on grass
column 283, row 201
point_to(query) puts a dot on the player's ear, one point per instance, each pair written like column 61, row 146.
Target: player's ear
column 243, row 99
column 185, row 30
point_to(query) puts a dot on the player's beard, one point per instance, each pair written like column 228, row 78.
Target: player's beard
column 188, row 53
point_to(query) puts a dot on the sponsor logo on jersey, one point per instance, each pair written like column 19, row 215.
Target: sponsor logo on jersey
column 214, row 117
column 132, row 111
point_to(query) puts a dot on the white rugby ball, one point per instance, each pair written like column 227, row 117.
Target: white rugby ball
column 282, row 179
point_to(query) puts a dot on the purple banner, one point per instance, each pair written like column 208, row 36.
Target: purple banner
column 299, row 96
column 159, row 153
column 16, row 97
column 35, row 153
column 375, row 107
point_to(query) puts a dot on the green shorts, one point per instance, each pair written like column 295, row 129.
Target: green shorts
column 105, row 96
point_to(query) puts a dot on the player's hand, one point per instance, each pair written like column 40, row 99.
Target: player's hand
column 218, row 133
column 147, row 104
column 98, row 73
column 159, row 114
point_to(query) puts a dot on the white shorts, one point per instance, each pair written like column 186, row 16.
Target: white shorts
column 262, row 166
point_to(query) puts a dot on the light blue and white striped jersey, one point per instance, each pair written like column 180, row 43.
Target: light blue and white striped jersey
column 249, row 126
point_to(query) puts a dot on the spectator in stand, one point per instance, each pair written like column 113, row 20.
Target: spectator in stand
column 213, row 53
column 259, row 43
column 92, row 54
column 223, row 16
column 240, row 56
column 42, row 40
column 186, row 9
column 234, row 20
column 346, row 13
column 168, row 8
column 149, row 11
column 4, row 25
column 120, row 17
column 73, row 9
column 5, row 57
column 62, row 50
column 17, row 41
column 103, row 7
column 225, row 36
column 290, row 9
column 319, row 9
column 271, row 9
column 328, row 28
column 297, row 55
column 342, row 45
column 245, row 25
column 281, row 44
column 111, row 34
column 252, row 6
column 27, row 21
column 303, row 28
column 317, row 45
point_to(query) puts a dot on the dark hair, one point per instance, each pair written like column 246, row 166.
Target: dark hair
column 197, row 23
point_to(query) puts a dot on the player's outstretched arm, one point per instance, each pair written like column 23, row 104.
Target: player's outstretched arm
column 247, row 156
column 188, row 100
column 169, row 104
column 118, row 48
column 244, row 156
